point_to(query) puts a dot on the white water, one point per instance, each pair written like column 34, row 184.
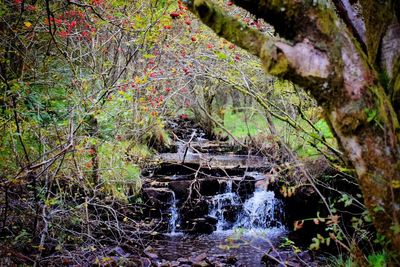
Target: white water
column 174, row 216
column 258, row 212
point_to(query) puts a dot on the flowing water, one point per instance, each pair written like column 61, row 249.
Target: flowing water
column 174, row 216
column 261, row 211
column 246, row 225
column 244, row 239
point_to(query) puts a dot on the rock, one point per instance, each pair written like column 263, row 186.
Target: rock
column 202, row 226
column 231, row 213
column 209, row 187
column 164, row 263
column 195, row 209
column 211, row 219
column 157, row 196
column 180, row 188
column 184, row 260
column 231, row 259
column 199, row 258
column 200, row 264
column 218, row 264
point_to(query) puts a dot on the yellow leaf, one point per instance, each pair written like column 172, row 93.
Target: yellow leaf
column 396, row 184
column 137, row 80
column 27, row 24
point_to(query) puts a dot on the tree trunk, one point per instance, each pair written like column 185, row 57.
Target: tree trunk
column 318, row 52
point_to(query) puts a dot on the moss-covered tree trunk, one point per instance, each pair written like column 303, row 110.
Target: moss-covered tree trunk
column 348, row 57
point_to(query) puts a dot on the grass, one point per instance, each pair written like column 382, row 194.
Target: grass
column 246, row 123
column 243, row 124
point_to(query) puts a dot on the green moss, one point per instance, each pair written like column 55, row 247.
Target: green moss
column 228, row 27
column 326, row 21
column 281, row 66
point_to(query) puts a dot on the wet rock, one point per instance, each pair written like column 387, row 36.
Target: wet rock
column 174, row 263
column 157, row 197
column 231, row 213
column 194, row 209
column 180, row 188
column 202, row 226
column 211, row 219
column 199, row 258
column 231, row 259
column 200, row 264
column 209, row 187
column 164, row 263
column 184, row 260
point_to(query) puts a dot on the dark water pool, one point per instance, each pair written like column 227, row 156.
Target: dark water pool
column 240, row 247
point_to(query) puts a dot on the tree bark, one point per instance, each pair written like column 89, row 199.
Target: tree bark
column 318, row 52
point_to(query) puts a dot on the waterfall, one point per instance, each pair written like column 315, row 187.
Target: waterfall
column 220, row 205
column 174, row 216
column 257, row 212
column 260, row 211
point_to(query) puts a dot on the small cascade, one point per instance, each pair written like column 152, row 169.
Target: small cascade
column 173, row 220
column 222, row 204
column 257, row 212
column 260, row 211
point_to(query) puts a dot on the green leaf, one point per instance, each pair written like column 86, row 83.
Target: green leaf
column 221, row 55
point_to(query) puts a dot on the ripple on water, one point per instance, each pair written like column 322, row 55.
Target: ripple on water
column 248, row 246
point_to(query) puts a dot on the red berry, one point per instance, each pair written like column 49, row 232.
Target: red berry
column 174, row 15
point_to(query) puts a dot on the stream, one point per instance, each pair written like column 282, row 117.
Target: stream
column 209, row 206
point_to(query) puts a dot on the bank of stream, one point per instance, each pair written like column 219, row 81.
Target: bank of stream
column 213, row 206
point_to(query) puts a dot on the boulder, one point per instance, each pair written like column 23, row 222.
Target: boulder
column 231, row 213
column 195, row 209
column 156, row 195
column 202, row 226
column 180, row 188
